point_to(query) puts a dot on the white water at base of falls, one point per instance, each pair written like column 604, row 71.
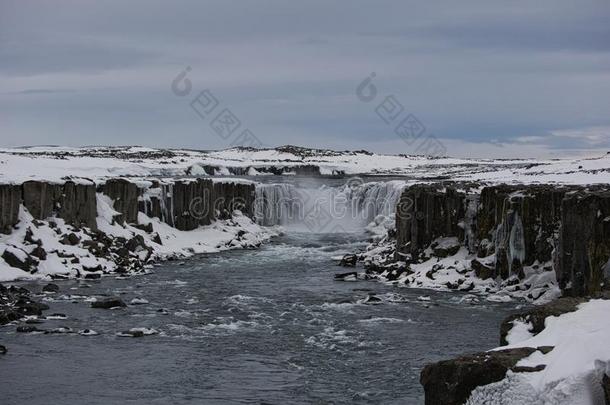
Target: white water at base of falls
column 347, row 208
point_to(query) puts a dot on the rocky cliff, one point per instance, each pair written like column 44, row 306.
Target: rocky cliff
column 53, row 227
column 512, row 230
column 427, row 212
column 187, row 204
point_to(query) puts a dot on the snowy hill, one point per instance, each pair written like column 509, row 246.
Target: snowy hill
column 56, row 163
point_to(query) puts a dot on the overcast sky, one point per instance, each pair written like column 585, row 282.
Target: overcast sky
column 487, row 78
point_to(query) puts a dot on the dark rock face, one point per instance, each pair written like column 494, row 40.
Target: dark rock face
column 187, row 205
column 606, row 388
column 427, row 212
column 583, row 265
column 78, row 205
column 184, row 205
column 519, row 223
column 233, row 196
column 75, row 203
column 563, row 228
column 192, row 204
column 125, row 196
column 451, row 382
column 10, row 198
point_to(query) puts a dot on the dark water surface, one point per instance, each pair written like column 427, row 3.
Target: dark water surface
column 266, row 326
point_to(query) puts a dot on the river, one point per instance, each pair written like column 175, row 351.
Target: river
column 266, row 326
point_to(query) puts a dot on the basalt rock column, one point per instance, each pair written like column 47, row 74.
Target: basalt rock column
column 427, row 212
column 10, row 198
column 583, row 265
column 125, row 196
column 75, row 203
column 230, row 196
column 519, row 224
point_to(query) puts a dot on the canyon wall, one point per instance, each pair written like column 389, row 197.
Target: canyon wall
column 187, row 204
column 62, row 239
column 511, row 227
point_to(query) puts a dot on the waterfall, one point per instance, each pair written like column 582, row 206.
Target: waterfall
column 348, row 208
column 276, row 204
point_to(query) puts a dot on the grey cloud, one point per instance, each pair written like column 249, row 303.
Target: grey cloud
column 481, row 73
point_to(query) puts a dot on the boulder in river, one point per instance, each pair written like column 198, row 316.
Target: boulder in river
column 50, row 288
column 108, row 303
column 348, row 260
column 350, row 276
column 28, row 329
column 372, row 299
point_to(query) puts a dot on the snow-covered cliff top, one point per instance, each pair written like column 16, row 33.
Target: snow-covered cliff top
column 56, row 163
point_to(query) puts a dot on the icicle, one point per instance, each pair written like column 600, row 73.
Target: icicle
column 516, row 242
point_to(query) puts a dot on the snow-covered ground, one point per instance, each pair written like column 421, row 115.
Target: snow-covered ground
column 573, row 369
column 95, row 163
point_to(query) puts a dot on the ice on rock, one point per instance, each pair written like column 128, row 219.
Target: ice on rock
column 516, row 242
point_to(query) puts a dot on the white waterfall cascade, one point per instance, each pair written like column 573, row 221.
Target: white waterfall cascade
column 348, row 208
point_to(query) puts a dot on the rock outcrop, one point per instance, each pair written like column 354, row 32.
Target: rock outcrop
column 450, row 382
column 511, row 227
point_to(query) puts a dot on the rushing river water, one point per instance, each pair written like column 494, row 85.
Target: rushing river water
column 267, row 326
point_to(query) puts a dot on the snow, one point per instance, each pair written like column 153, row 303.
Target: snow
column 574, row 368
column 95, row 163
column 519, row 332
